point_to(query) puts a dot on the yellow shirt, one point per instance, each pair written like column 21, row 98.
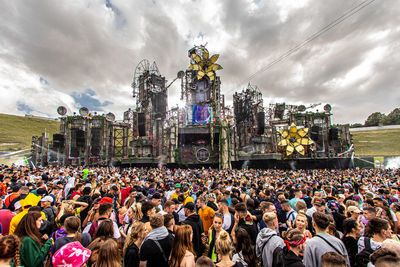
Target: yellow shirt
column 17, row 218
column 206, row 216
column 188, row 199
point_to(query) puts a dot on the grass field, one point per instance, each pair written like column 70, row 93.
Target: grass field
column 16, row 131
column 377, row 143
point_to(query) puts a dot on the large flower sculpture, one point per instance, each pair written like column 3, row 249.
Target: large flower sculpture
column 293, row 140
column 204, row 64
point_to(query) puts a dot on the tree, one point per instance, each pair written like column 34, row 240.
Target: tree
column 374, row 119
column 392, row 118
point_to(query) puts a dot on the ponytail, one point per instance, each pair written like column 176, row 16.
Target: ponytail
column 77, row 237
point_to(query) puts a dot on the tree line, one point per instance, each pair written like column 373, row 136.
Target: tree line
column 378, row 118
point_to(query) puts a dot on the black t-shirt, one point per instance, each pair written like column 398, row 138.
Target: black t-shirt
column 150, row 252
column 352, row 248
column 251, row 228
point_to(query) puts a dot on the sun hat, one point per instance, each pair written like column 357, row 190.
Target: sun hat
column 72, row 254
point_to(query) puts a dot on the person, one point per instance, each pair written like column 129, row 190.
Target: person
column 268, row 240
column 290, row 214
column 295, row 241
column 169, row 223
column 206, row 214
column 177, row 192
column 195, row 222
column 353, row 212
column 224, row 250
column 301, row 225
column 148, row 209
column 229, row 220
column 49, row 211
column 385, row 257
column 204, row 261
column 298, row 194
column 215, row 231
column 33, row 250
column 322, row 242
column 72, row 226
column 244, row 248
column 182, row 253
column 105, row 230
column 351, row 234
column 333, row 259
column 157, row 245
column 244, row 220
column 376, row 231
column 105, row 211
column 5, row 219
column 109, row 255
column 94, row 247
column 71, row 254
column 9, row 250
column 133, row 243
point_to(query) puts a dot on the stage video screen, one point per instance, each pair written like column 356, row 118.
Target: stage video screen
column 199, row 114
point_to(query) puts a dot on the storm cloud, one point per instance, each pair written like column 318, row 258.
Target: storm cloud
column 51, row 52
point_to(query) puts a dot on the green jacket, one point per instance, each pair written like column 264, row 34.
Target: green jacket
column 31, row 255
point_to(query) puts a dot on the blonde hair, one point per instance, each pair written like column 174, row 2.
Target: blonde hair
column 223, row 245
column 268, row 217
column 136, row 229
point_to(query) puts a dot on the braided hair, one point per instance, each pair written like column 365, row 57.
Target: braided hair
column 9, row 248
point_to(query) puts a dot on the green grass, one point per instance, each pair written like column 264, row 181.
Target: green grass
column 16, row 131
column 377, row 143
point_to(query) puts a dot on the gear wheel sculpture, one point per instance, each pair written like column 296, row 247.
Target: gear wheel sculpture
column 294, row 140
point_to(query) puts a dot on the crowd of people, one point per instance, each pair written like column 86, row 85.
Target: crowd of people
column 106, row 216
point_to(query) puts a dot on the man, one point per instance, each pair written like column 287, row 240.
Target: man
column 105, row 211
column 156, row 200
column 290, row 214
column 368, row 214
column 211, row 201
column 229, row 220
column 246, row 222
column 268, row 240
column 157, row 245
column 206, row 214
column 78, row 191
column 186, row 195
column 195, row 222
column 49, row 211
column 177, row 192
column 148, row 209
column 265, row 206
column 23, row 192
column 322, row 242
column 169, row 223
column 297, row 197
column 318, row 205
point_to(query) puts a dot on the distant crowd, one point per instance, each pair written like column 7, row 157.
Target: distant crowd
column 103, row 216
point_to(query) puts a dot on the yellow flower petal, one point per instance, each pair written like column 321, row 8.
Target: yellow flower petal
column 214, row 58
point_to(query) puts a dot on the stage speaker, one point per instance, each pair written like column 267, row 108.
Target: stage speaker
column 58, row 141
column 95, row 141
column 260, row 122
column 141, row 124
column 80, row 138
column 333, row 134
column 315, row 132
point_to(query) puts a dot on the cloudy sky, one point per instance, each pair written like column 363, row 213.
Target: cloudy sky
column 84, row 52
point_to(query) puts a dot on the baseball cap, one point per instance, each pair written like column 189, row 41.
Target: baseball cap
column 72, row 254
column 17, row 205
column 47, row 198
column 178, row 186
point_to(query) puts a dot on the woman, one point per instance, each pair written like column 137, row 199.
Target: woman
column 33, row 251
column 182, row 254
column 9, row 250
column 353, row 212
column 134, row 214
column 133, row 243
column 223, row 247
column 93, row 214
column 216, row 230
column 72, row 226
column 94, row 247
column 295, row 242
column 105, row 229
column 244, row 248
column 301, row 223
column 351, row 234
column 109, row 255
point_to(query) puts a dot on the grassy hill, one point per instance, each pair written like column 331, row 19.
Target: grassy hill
column 16, row 131
column 377, row 143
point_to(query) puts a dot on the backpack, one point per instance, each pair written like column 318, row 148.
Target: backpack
column 362, row 258
column 278, row 255
column 93, row 228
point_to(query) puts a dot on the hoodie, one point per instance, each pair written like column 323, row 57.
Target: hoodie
column 292, row 260
column 274, row 241
column 197, row 227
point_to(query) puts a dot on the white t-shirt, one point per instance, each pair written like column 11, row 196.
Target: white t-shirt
column 117, row 234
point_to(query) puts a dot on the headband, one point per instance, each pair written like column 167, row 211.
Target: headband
column 295, row 243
